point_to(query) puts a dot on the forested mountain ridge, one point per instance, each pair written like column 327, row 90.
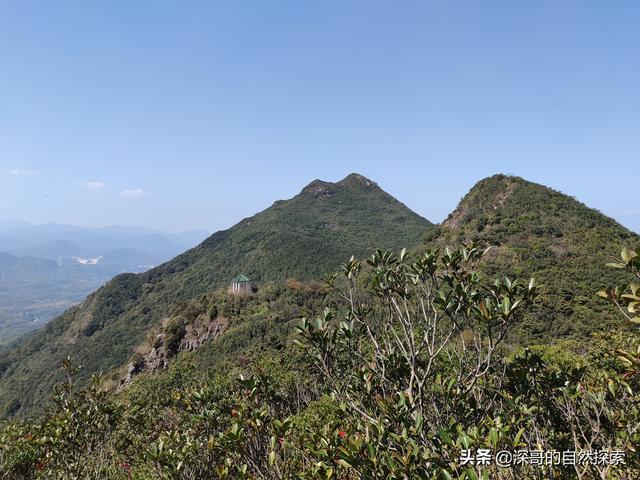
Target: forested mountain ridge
column 309, row 380
column 532, row 231
column 536, row 231
column 304, row 237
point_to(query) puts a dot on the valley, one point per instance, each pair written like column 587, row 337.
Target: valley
column 46, row 269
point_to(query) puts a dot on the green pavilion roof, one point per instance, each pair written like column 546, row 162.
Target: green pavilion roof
column 241, row 279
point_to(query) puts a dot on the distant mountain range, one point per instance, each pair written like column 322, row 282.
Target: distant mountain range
column 54, row 240
column 44, row 269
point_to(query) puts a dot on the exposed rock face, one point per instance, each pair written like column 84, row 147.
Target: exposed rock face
column 197, row 334
column 318, row 188
column 322, row 189
column 158, row 357
column 355, row 178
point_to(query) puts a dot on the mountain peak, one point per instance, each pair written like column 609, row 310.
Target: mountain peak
column 510, row 203
column 319, row 188
column 356, row 179
column 304, row 237
column 486, row 196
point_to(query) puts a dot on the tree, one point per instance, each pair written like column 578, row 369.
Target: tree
column 627, row 299
column 411, row 355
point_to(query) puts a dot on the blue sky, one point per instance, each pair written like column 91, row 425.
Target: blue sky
column 180, row 115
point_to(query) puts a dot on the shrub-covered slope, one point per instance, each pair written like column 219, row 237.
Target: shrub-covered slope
column 536, row 231
column 304, row 237
column 533, row 231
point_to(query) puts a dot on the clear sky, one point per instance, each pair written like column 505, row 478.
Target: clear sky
column 188, row 114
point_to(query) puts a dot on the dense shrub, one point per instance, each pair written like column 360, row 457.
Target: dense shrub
column 407, row 372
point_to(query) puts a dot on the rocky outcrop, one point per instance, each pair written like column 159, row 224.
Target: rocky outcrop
column 159, row 354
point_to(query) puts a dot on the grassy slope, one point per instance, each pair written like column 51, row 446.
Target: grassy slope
column 304, row 237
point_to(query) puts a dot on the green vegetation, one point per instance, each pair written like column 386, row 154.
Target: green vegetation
column 405, row 370
column 305, row 237
column 393, row 369
column 41, row 275
column 535, row 231
column 35, row 290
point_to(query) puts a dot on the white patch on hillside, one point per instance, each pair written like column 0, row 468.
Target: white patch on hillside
column 87, row 261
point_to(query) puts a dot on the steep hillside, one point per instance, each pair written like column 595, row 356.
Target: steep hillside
column 223, row 384
column 218, row 333
column 537, row 231
column 304, row 237
column 533, row 231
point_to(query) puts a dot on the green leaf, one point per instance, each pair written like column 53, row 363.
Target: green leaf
column 445, row 475
column 464, row 440
column 493, row 437
column 445, row 437
column 516, row 440
column 506, row 305
column 628, row 296
column 625, row 360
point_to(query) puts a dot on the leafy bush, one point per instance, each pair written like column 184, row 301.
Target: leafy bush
column 407, row 368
